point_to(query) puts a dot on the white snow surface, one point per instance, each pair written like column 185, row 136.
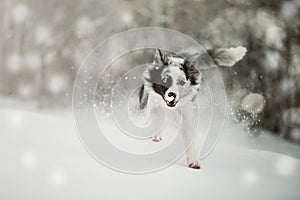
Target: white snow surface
column 41, row 157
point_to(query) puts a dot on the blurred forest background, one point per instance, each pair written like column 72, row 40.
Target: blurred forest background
column 43, row 43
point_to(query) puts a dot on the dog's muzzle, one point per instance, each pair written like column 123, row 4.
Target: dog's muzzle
column 171, row 99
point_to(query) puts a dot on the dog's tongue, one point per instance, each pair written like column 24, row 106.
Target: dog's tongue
column 171, row 103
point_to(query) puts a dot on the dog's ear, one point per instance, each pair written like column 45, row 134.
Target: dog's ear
column 192, row 58
column 158, row 57
column 191, row 65
column 192, row 73
column 227, row 57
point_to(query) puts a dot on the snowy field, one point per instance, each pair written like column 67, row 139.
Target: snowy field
column 42, row 45
column 41, row 157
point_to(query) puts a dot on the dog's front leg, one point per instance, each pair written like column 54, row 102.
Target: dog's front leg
column 155, row 119
column 188, row 129
column 151, row 117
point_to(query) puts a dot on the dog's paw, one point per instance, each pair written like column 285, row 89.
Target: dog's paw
column 194, row 165
column 156, row 138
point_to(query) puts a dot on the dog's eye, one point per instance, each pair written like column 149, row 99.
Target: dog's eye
column 181, row 82
column 164, row 80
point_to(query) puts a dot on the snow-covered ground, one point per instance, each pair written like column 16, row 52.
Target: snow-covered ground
column 41, row 157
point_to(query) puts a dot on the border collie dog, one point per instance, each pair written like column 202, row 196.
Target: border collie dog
column 172, row 81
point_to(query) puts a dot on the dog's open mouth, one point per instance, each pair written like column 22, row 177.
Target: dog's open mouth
column 171, row 103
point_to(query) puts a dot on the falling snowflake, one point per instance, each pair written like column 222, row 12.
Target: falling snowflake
column 84, row 26
column 295, row 134
column 16, row 119
column 14, row 62
column 275, row 37
column 43, row 35
column 29, row 160
column 25, row 90
column 289, row 9
column 50, row 57
column 286, row 85
column 20, row 12
column 249, row 176
column 57, row 178
column 272, row 60
column 57, row 84
column 127, row 17
column 285, row 165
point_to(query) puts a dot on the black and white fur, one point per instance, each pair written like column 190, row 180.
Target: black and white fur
column 173, row 80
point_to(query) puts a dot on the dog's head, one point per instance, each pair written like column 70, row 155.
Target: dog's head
column 177, row 76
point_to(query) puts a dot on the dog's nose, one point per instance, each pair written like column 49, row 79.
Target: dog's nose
column 172, row 94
